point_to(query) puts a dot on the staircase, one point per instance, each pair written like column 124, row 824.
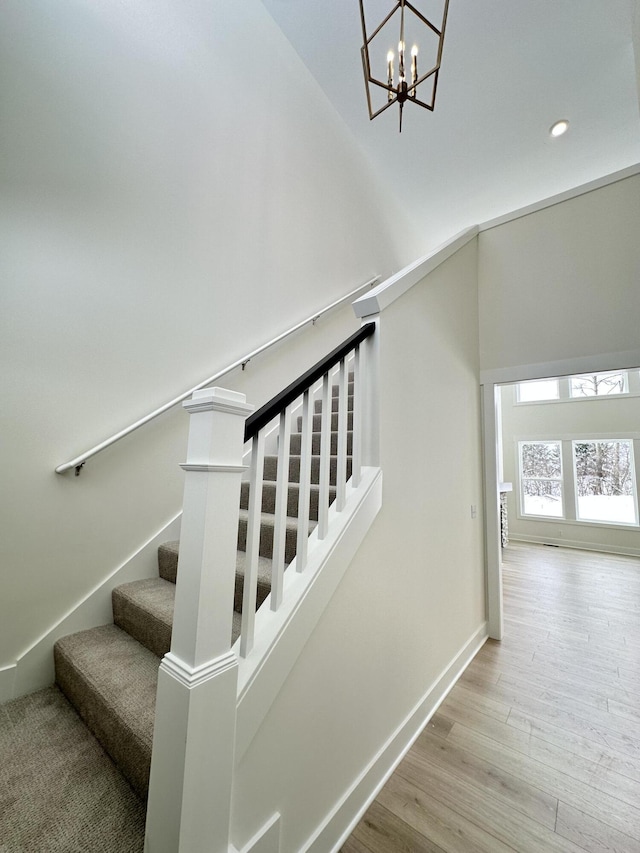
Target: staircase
column 110, row 673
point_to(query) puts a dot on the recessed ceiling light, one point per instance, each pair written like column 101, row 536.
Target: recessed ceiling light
column 559, row 127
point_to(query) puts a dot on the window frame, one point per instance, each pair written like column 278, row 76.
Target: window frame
column 625, row 380
column 633, row 469
column 559, row 479
column 631, row 377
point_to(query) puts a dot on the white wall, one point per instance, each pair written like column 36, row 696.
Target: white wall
column 612, row 417
column 414, row 594
column 561, row 284
column 175, row 191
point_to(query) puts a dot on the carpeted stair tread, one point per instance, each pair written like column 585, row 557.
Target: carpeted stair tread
column 267, row 527
column 271, row 468
column 335, row 403
column 296, row 443
column 317, row 422
column 144, row 609
column 111, row 680
column 269, row 498
column 335, row 389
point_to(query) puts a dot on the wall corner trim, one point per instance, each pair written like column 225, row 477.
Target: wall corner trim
column 392, row 288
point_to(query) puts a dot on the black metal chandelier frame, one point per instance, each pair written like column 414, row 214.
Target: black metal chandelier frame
column 404, row 91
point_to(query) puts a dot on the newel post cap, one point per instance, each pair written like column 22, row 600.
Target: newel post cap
column 218, row 400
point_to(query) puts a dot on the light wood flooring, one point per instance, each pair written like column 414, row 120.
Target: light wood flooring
column 537, row 748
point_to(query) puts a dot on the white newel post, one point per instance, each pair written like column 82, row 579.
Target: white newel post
column 192, row 761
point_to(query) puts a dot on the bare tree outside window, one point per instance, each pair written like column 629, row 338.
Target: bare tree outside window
column 598, row 384
column 605, row 481
column 541, row 478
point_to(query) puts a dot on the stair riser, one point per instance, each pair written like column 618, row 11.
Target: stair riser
column 317, row 422
column 167, row 564
column 335, row 389
column 271, row 469
column 152, row 634
column 131, row 756
column 269, row 499
column 266, row 540
column 296, row 443
column 262, row 591
column 317, row 405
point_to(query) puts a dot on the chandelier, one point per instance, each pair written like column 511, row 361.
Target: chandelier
column 414, row 28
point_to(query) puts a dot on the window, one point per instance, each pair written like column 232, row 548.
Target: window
column 598, row 384
column 537, row 391
column 605, row 481
column 611, row 383
column 541, row 478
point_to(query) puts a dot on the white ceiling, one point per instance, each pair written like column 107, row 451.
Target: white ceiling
column 510, row 68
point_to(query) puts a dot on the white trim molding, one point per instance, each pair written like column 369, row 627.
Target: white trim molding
column 346, row 814
column 597, row 363
column 583, row 189
column 388, row 291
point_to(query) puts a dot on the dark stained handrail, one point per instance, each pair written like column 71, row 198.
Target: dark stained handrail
column 277, row 404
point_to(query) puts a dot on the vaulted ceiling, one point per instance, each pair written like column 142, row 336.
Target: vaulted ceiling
column 509, row 71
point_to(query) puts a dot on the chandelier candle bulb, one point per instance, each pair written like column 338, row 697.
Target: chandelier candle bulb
column 414, row 69
column 401, row 61
column 390, row 73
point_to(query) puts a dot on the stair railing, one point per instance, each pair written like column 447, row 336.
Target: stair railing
column 189, row 805
column 280, row 407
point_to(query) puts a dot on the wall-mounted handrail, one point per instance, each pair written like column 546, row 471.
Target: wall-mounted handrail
column 80, row 460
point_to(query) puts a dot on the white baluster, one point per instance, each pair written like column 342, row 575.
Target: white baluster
column 192, row 762
column 252, row 547
column 304, row 486
column 341, row 462
column 325, row 458
column 281, row 512
column 356, row 439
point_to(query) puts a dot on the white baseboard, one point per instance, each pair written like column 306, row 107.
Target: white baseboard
column 34, row 667
column 347, row 813
column 577, row 544
column 7, row 681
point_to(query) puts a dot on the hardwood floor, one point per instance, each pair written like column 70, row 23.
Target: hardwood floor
column 537, row 748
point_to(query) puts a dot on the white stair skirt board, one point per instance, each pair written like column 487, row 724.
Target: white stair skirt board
column 34, row 668
column 348, row 811
column 281, row 635
column 266, row 840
